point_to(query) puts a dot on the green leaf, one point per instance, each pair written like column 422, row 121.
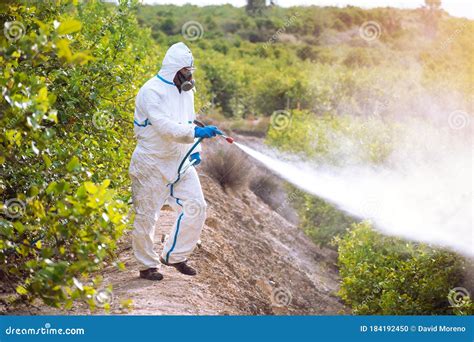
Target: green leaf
column 90, row 187
column 73, row 165
column 106, row 183
column 34, row 191
column 21, row 290
column 42, row 94
column 20, row 228
column 69, row 26
column 47, row 160
column 64, row 51
column 51, row 187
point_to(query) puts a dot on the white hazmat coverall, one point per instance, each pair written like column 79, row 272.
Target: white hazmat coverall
column 163, row 125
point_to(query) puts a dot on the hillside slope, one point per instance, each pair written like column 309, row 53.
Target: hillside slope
column 252, row 261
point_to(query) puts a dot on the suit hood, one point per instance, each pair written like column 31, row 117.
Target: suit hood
column 177, row 57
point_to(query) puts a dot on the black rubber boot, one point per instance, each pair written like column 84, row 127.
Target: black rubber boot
column 182, row 267
column 151, row 274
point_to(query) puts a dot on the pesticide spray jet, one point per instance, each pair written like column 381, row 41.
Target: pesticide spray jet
column 427, row 200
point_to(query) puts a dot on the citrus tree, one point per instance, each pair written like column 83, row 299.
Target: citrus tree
column 69, row 74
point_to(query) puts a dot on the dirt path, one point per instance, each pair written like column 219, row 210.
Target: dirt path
column 252, row 261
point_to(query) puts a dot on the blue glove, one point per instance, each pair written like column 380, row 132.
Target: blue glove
column 206, row 132
column 197, row 157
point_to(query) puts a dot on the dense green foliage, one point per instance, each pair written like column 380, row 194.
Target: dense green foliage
column 315, row 58
column 387, row 276
column 68, row 87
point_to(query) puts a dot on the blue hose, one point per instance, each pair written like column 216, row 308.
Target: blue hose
column 186, row 156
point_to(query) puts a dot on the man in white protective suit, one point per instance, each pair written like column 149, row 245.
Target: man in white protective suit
column 165, row 132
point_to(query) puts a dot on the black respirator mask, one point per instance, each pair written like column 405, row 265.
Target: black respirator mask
column 185, row 80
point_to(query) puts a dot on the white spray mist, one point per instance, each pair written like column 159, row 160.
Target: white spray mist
column 423, row 192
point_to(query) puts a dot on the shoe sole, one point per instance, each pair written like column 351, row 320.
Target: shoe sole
column 175, row 267
column 143, row 277
column 151, row 279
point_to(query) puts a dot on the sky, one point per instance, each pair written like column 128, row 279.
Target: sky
column 457, row 8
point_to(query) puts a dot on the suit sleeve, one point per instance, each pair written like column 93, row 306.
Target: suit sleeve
column 161, row 120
